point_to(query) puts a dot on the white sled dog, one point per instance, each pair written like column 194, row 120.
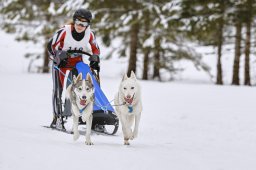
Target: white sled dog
column 81, row 95
column 129, row 106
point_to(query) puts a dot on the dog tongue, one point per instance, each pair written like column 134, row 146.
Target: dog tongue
column 129, row 100
column 83, row 102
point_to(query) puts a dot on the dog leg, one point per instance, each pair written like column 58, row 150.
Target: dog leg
column 88, row 131
column 126, row 141
column 75, row 128
column 129, row 124
column 126, row 135
column 136, row 127
column 127, row 132
column 124, row 128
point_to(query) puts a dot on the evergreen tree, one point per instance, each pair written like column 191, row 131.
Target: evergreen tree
column 146, row 50
column 140, row 25
column 207, row 24
column 36, row 20
column 249, row 10
column 236, row 65
column 239, row 17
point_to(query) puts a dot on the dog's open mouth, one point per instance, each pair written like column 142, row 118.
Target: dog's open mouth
column 82, row 102
column 129, row 100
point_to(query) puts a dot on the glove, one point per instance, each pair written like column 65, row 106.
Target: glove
column 60, row 58
column 95, row 58
column 94, row 62
column 95, row 65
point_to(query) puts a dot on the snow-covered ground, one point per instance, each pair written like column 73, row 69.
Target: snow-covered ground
column 184, row 126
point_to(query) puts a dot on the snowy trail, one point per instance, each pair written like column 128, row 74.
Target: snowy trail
column 183, row 126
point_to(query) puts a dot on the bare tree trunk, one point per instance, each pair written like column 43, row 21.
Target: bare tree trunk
column 133, row 48
column 247, row 79
column 145, row 64
column 219, row 45
column 219, row 66
column 235, row 80
column 46, row 68
column 46, row 59
column 147, row 49
column 156, row 73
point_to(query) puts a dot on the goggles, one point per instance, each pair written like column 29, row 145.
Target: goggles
column 82, row 23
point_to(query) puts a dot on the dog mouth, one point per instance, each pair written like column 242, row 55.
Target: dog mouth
column 129, row 100
column 82, row 102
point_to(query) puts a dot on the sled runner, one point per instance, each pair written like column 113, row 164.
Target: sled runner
column 103, row 112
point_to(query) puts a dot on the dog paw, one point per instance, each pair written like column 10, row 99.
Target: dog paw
column 76, row 136
column 88, row 143
column 126, row 143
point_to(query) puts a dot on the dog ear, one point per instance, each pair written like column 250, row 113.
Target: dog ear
column 74, row 79
column 89, row 78
column 79, row 77
column 125, row 77
column 133, row 76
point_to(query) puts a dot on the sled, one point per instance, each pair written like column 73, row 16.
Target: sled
column 103, row 112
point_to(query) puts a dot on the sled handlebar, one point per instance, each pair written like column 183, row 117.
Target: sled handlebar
column 97, row 76
column 79, row 52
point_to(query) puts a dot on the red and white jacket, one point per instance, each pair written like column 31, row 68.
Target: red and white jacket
column 63, row 40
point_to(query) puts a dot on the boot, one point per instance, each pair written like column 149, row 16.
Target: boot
column 62, row 124
column 54, row 121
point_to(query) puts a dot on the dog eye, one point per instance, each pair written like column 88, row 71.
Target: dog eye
column 87, row 89
column 132, row 88
column 125, row 88
column 80, row 88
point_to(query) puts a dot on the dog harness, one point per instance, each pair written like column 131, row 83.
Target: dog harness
column 81, row 110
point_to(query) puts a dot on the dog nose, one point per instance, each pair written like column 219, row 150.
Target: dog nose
column 84, row 97
column 129, row 96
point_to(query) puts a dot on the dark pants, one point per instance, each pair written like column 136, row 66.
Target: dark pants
column 56, row 93
column 58, row 84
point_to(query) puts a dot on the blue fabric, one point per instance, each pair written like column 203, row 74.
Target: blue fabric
column 101, row 101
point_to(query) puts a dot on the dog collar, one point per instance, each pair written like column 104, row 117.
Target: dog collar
column 130, row 109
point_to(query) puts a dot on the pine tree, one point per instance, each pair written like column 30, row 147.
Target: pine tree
column 239, row 17
column 133, row 48
column 36, row 20
column 249, row 10
column 143, row 22
column 236, row 65
column 207, row 23
column 220, row 31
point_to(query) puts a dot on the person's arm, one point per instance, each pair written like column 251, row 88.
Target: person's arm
column 94, row 45
column 56, row 42
column 95, row 58
column 54, row 47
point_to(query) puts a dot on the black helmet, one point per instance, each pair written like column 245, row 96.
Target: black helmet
column 82, row 13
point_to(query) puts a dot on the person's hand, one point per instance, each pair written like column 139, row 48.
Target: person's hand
column 94, row 62
column 60, row 58
column 95, row 58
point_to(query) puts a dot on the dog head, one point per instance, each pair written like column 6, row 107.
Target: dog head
column 129, row 88
column 83, row 91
